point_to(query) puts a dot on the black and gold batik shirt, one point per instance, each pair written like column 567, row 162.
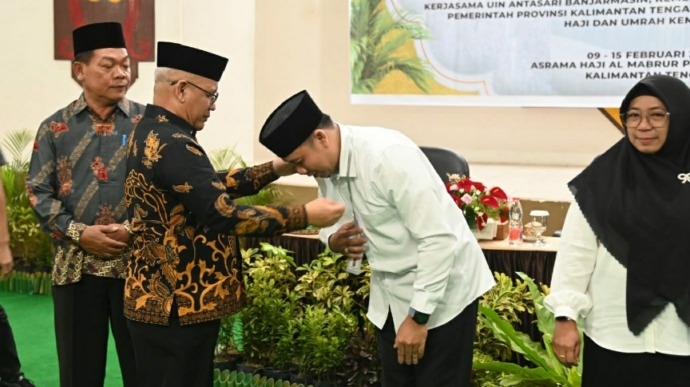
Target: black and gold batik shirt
column 185, row 221
column 76, row 179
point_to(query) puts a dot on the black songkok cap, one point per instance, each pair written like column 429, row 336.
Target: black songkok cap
column 97, row 35
column 290, row 124
column 191, row 60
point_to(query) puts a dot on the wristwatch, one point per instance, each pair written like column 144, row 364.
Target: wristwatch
column 563, row 318
column 418, row 317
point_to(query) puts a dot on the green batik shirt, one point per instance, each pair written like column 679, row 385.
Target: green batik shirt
column 185, row 222
column 76, row 179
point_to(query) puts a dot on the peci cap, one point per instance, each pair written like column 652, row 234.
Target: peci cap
column 191, row 60
column 97, row 35
column 290, row 124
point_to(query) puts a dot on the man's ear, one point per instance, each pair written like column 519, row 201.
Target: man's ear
column 320, row 136
column 78, row 71
column 178, row 90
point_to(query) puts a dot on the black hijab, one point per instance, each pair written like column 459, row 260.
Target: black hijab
column 638, row 205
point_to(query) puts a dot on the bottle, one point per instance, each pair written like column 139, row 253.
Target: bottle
column 515, row 222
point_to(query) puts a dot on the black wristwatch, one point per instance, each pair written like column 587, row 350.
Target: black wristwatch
column 563, row 318
column 419, row 317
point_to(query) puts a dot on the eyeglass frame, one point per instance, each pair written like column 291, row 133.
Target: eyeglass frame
column 212, row 96
column 645, row 117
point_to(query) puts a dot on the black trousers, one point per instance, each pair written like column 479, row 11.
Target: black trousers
column 447, row 360
column 9, row 361
column 605, row 368
column 174, row 355
column 83, row 311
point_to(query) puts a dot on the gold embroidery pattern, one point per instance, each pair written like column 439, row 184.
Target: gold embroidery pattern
column 162, row 118
column 183, row 188
column 218, row 184
column 152, row 150
column 74, row 231
column 194, row 150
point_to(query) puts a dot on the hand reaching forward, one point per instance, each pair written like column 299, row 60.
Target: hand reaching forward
column 323, row 212
column 97, row 240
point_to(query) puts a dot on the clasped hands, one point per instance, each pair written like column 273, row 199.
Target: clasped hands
column 104, row 241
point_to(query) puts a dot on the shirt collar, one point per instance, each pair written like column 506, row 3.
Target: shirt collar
column 155, row 111
column 346, row 164
column 80, row 105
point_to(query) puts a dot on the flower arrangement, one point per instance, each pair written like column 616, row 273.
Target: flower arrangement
column 478, row 203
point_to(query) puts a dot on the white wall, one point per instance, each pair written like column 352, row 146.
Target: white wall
column 34, row 85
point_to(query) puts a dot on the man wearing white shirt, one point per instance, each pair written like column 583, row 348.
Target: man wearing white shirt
column 427, row 268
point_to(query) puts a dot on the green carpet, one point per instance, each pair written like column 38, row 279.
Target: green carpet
column 31, row 318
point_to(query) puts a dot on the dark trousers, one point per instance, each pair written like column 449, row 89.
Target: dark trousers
column 9, row 361
column 175, row 355
column 83, row 311
column 605, row 368
column 447, row 360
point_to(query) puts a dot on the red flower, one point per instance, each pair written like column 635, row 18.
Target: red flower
column 478, row 204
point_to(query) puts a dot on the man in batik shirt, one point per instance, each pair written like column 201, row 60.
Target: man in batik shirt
column 76, row 184
column 185, row 273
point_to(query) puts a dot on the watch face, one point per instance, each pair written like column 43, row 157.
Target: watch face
column 420, row 318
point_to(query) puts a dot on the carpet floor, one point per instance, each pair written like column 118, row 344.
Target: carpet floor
column 31, row 318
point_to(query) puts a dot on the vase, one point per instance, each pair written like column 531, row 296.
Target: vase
column 487, row 233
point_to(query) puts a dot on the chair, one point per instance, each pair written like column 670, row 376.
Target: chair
column 445, row 162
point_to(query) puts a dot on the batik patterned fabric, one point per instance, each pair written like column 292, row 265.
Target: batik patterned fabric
column 185, row 222
column 76, row 179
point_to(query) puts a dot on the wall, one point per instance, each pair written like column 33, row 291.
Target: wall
column 304, row 44
column 35, row 85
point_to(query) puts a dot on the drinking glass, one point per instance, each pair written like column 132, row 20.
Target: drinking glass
column 539, row 222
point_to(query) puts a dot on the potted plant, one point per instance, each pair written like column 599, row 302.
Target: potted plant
column 482, row 207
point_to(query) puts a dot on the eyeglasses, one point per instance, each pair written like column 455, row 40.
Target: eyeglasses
column 633, row 119
column 212, row 96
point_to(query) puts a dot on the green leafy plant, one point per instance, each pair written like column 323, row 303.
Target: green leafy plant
column 271, row 304
column 27, row 239
column 546, row 369
column 509, row 301
column 375, row 42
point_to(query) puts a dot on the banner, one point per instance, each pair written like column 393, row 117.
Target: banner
column 565, row 53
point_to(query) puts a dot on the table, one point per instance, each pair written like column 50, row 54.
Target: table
column 535, row 261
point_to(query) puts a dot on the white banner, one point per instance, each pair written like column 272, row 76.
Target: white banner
column 576, row 53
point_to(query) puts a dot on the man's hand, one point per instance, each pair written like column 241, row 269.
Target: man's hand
column 566, row 342
column 120, row 234
column 97, row 240
column 411, row 341
column 281, row 168
column 6, row 261
column 323, row 212
column 348, row 240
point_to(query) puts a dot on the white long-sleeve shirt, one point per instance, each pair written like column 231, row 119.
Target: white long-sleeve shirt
column 421, row 251
column 590, row 283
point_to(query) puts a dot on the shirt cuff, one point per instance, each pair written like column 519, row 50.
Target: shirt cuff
column 74, row 231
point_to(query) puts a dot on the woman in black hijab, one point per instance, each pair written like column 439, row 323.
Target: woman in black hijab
column 623, row 265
